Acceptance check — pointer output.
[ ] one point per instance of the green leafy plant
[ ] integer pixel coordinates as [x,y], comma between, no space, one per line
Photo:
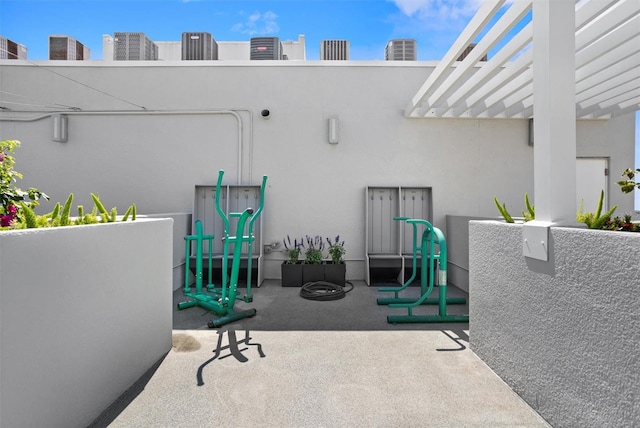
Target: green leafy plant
[595,220]
[622,224]
[60,215]
[503,210]
[336,250]
[17,206]
[293,249]
[90,218]
[314,249]
[629,184]
[12,198]
[130,212]
[530,214]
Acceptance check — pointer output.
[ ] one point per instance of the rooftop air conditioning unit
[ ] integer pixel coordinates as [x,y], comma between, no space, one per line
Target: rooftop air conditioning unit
[199,46]
[134,47]
[334,50]
[265,48]
[400,50]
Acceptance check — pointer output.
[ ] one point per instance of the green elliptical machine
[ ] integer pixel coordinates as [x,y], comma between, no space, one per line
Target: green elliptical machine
[221,301]
[417,249]
[431,236]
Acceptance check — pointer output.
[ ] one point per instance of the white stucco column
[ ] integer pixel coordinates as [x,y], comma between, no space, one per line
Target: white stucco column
[554,118]
[554,110]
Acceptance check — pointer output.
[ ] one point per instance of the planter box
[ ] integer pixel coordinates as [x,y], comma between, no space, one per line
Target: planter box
[312,273]
[563,333]
[291,275]
[296,275]
[335,273]
[103,297]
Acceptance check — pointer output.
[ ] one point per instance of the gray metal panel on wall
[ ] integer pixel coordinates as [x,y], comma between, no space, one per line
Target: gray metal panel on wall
[241,198]
[415,202]
[381,228]
[205,210]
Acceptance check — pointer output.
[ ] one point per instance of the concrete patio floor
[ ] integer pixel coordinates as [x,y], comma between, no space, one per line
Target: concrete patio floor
[303,363]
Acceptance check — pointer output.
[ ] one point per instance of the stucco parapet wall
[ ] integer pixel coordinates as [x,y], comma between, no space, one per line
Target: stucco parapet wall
[86,308]
[564,333]
[139,219]
[592,251]
[221,63]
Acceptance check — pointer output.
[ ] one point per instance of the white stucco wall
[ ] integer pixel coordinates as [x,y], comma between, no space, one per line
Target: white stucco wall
[169,51]
[314,187]
[564,333]
[84,312]
[181,227]
[457,236]
[233,51]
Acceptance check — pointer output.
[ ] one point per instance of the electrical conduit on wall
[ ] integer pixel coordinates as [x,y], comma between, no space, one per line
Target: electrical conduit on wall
[233,112]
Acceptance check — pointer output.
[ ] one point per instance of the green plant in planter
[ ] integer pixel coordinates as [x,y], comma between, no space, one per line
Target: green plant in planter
[12,198]
[293,250]
[595,220]
[502,208]
[629,184]
[622,224]
[60,215]
[336,250]
[314,249]
[529,215]
[17,206]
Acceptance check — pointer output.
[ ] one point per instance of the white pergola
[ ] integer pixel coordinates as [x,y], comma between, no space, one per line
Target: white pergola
[607,64]
[575,59]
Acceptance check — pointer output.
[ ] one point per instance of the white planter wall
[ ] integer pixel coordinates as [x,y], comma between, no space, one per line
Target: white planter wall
[457,236]
[155,156]
[564,333]
[85,312]
[181,228]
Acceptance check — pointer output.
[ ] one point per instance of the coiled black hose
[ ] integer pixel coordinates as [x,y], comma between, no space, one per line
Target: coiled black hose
[322,290]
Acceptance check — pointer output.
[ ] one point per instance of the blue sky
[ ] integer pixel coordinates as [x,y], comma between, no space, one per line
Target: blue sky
[367,24]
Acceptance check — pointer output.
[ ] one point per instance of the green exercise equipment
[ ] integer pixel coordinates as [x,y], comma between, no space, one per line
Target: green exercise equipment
[431,237]
[249,238]
[221,301]
[417,249]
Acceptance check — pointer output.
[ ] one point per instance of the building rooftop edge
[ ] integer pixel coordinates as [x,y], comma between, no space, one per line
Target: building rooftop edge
[221,63]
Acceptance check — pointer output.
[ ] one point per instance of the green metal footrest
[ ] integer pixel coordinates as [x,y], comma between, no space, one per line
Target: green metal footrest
[405,319]
[235,316]
[429,301]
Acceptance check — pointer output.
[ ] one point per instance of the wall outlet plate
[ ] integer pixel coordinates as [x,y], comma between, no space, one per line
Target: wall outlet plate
[535,240]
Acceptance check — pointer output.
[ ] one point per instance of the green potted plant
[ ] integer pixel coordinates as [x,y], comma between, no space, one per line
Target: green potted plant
[624,224]
[595,220]
[312,270]
[12,198]
[629,184]
[292,267]
[17,206]
[335,272]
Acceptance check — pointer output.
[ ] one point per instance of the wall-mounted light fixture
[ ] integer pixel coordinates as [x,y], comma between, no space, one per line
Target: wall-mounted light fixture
[334,130]
[60,122]
[531,132]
